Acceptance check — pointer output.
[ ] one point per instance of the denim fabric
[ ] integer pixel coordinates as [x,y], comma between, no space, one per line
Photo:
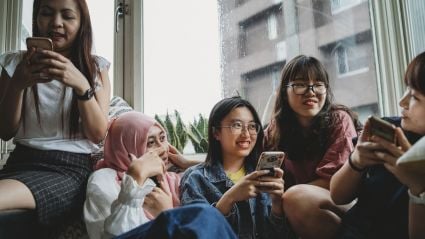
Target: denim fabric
[187,222]
[249,219]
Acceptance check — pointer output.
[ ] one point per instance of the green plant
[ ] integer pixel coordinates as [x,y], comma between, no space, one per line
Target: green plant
[198,134]
[176,130]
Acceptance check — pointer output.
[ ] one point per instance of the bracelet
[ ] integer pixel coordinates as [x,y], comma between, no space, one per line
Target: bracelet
[416,199]
[354,167]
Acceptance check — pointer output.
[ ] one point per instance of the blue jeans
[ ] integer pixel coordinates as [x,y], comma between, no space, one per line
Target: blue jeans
[185,222]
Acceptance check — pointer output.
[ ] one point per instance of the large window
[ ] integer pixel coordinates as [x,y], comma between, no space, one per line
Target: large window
[181,57]
[343,42]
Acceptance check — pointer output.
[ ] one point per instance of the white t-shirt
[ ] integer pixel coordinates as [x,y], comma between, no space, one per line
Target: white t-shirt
[52,132]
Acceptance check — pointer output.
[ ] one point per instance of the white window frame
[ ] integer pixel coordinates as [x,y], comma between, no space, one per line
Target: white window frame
[128,55]
[10,24]
[392,51]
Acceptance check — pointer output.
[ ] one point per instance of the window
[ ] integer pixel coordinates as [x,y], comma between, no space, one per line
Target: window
[342,60]
[342,42]
[181,57]
[338,6]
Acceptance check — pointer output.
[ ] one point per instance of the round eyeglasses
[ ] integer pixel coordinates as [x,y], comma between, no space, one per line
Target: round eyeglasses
[238,127]
[301,88]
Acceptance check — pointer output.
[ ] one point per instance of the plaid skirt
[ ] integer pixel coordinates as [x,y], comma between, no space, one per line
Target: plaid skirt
[57,180]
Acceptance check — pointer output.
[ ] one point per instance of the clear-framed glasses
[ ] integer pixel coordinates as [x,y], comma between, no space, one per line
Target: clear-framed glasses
[301,88]
[237,127]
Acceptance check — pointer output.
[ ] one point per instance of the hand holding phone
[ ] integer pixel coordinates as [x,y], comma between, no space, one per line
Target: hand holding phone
[382,128]
[40,42]
[270,160]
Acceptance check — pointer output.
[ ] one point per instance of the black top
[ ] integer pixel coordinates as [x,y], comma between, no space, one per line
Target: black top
[383,203]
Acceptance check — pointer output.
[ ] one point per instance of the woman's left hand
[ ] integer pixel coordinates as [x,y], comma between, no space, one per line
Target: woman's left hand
[411,179]
[274,186]
[62,69]
[159,199]
[176,157]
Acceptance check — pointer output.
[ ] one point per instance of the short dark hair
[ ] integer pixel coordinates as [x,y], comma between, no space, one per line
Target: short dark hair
[415,73]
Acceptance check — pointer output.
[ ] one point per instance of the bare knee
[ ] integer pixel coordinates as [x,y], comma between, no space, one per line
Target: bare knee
[14,195]
[309,209]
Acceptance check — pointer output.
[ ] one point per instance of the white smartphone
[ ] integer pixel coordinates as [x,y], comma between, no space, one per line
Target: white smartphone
[270,160]
[40,42]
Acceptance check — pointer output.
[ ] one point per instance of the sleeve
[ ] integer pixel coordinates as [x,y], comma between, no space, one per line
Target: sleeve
[275,227]
[126,211]
[195,188]
[106,204]
[340,147]
[103,65]
[9,61]
[98,201]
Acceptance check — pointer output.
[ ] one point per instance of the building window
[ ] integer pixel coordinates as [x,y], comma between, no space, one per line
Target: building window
[259,30]
[338,6]
[341,60]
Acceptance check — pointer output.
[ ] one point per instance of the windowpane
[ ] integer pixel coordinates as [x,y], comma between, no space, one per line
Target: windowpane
[181,57]
[336,32]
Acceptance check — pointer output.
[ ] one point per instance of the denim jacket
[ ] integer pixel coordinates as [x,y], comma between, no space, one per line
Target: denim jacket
[249,219]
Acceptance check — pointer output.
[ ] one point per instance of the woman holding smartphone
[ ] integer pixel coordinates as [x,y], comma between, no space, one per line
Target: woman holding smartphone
[381,187]
[250,200]
[316,136]
[55,105]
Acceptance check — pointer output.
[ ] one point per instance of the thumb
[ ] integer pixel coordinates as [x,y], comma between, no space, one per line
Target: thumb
[164,185]
[402,140]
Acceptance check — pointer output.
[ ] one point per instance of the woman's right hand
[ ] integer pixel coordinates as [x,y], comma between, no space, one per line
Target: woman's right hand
[364,152]
[247,187]
[28,72]
[148,165]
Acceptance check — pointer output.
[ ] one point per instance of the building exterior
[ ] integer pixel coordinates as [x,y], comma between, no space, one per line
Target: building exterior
[259,36]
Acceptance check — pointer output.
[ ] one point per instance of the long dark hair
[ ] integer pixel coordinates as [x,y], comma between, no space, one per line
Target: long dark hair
[81,57]
[218,113]
[415,73]
[287,132]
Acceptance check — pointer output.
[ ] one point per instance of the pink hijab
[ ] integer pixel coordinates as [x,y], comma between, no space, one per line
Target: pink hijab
[129,134]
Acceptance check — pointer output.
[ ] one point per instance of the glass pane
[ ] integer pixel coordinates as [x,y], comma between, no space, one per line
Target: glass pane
[416,20]
[258,37]
[181,57]
[102,18]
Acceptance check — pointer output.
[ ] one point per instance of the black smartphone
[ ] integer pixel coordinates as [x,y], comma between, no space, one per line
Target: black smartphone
[270,160]
[155,180]
[40,42]
[382,128]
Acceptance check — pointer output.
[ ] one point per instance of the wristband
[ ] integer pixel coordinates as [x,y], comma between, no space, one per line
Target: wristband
[354,167]
[417,199]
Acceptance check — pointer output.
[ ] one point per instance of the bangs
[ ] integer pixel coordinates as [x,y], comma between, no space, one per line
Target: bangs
[415,74]
[308,69]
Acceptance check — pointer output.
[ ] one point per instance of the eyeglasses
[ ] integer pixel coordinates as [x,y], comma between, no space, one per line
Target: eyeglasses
[237,127]
[301,88]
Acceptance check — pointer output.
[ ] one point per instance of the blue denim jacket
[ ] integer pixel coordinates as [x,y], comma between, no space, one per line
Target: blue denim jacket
[249,219]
